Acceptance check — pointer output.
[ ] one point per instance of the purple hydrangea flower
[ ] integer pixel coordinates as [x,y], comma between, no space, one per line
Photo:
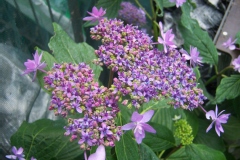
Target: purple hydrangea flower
[131,14]
[100,154]
[217,119]
[139,125]
[96,15]
[34,65]
[230,44]
[178,2]
[17,154]
[167,38]
[194,57]
[236,64]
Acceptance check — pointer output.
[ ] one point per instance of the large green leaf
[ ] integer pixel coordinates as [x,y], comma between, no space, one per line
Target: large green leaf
[44,139]
[229,88]
[112,7]
[146,153]
[155,105]
[193,35]
[238,38]
[209,139]
[126,148]
[163,4]
[162,140]
[232,129]
[64,49]
[202,152]
[180,154]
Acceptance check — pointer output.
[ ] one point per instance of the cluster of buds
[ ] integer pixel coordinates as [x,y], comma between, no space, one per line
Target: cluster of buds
[145,73]
[74,90]
[131,14]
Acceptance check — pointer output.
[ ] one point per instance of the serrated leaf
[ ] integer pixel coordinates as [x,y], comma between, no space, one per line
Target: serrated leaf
[229,88]
[210,138]
[193,35]
[44,139]
[146,153]
[126,148]
[201,152]
[66,50]
[112,7]
[161,140]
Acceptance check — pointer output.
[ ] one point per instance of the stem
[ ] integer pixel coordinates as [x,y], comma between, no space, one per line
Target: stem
[85,155]
[174,150]
[148,15]
[218,74]
[160,155]
[110,80]
[154,18]
[203,109]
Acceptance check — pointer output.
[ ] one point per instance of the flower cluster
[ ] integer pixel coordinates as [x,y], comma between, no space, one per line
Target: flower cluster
[73,89]
[236,64]
[183,131]
[131,14]
[18,154]
[122,45]
[145,73]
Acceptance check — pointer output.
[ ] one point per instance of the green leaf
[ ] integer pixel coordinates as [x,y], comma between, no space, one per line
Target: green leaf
[44,139]
[161,140]
[201,152]
[160,6]
[193,35]
[66,50]
[112,7]
[180,154]
[155,105]
[205,92]
[229,88]
[186,19]
[197,73]
[126,148]
[238,38]
[167,3]
[209,139]
[231,129]
[48,58]
[146,153]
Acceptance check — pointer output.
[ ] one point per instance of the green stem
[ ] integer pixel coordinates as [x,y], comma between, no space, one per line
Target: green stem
[110,80]
[154,18]
[218,74]
[160,155]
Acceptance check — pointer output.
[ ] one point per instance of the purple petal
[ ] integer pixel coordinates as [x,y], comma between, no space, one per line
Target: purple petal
[95,10]
[148,128]
[128,126]
[14,150]
[147,116]
[89,18]
[100,154]
[223,118]
[11,156]
[136,117]
[210,126]
[218,128]
[210,114]
[232,47]
[139,136]
[19,151]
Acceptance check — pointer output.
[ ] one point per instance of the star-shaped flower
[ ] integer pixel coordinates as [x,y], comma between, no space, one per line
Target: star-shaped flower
[236,64]
[230,44]
[217,119]
[34,65]
[193,57]
[96,15]
[178,2]
[17,154]
[139,125]
[100,154]
[167,38]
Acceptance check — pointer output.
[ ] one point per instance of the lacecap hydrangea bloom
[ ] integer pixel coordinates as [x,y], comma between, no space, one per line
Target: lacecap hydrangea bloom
[145,73]
[131,14]
[74,90]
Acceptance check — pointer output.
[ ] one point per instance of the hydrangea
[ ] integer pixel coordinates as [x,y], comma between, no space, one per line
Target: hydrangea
[34,65]
[17,154]
[131,14]
[96,14]
[74,90]
[194,57]
[236,64]
[145,73]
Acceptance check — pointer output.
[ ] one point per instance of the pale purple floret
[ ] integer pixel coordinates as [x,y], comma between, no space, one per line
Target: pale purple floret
[100,154]
[236,64]
[194,57]
[167,38]
[34,65]
[230,44]
[32,158]
[139,125]
[17,154]
[217,119]
[178,2]
[96,15]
